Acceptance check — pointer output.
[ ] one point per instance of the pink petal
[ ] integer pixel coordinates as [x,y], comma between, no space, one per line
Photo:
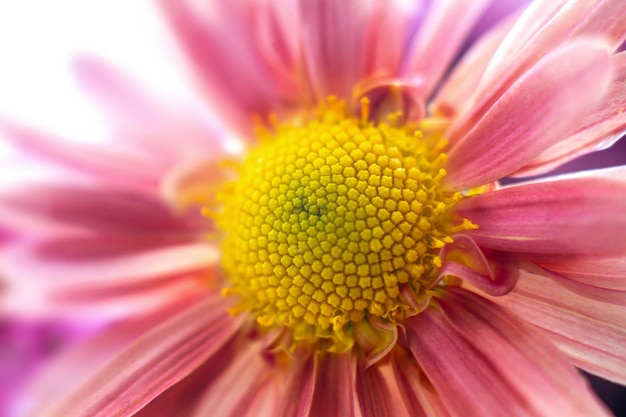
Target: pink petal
[477,344]
[443,32]
[333,35]
[542,27]
[599,130]
[533,114]
[26,263]
[458,89]
[572,216]
[379,395]
[180,399]
[334,386]
[420,397]
[464,259]
[105,209]
[590,332]
[589,290]
[123,166]
[533,367]
[78,362]
[246,387]
[320,387]
[391,26]
[452,364]
[601,272]
[154,362]
[234,75]
[299,390]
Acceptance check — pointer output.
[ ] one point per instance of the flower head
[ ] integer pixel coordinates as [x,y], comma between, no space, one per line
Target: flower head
[359,256]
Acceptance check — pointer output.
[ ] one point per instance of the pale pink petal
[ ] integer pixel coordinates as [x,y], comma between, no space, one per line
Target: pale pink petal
[528,364]
[161,131]
[542,28]
[195,184]
[420,397]
[439,39]
[575,216]
[379,394]
[234,75]
[335,44]
[124,166]
[458,89]
[590,332]
[599,130]
[154,362]
[533,114]
[248,386]
[464,259]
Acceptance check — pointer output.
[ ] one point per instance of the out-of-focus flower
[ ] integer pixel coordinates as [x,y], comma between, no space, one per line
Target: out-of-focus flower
[369,259]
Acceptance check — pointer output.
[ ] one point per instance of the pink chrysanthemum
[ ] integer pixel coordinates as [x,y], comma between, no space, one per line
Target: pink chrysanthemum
[359,257]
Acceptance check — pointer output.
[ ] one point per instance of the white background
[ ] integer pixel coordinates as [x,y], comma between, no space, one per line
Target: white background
[40,38]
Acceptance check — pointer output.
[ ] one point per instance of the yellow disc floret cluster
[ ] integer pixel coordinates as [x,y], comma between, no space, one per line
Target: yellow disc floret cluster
[330,221]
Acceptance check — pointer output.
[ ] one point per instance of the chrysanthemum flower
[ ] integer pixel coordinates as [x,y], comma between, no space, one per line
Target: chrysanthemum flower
[358,257]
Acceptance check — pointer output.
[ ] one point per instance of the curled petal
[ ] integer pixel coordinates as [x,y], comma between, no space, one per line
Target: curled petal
[465,260]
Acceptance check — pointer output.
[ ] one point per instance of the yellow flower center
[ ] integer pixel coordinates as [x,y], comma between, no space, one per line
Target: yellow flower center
[331,224]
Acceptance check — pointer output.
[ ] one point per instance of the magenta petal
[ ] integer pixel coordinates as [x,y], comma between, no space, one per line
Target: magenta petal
[574,216]
[590,332]
[533,114]
[153,363]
